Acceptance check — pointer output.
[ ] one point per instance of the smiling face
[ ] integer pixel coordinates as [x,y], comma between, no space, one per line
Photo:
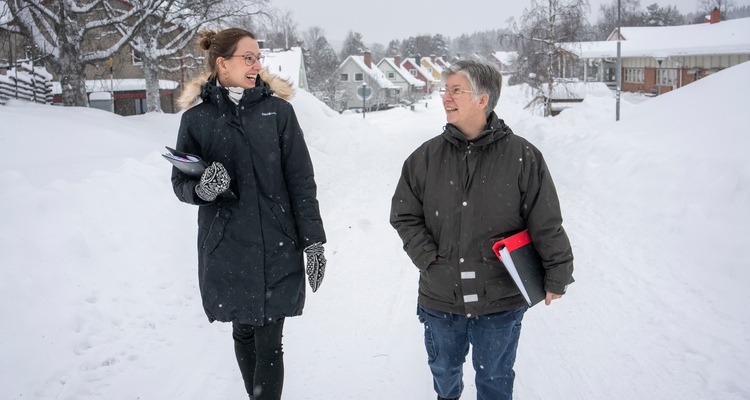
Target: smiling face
[467,114]
[233,71]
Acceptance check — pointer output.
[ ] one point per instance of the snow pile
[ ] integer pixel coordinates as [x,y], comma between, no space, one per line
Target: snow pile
[98,287]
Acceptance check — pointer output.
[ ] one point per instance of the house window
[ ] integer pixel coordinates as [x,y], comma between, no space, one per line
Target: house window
[136,58]
[666,77]
[633,75]
[344,77]
[391,76]
[413,72]
[359,77]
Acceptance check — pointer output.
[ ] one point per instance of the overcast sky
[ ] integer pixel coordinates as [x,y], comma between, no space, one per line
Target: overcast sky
[383,20]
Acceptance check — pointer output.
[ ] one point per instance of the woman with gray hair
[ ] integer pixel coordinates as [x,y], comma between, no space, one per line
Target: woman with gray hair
[459,193]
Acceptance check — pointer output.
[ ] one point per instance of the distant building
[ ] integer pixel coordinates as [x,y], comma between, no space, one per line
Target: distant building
[355,71]
[664,58]
[409,86]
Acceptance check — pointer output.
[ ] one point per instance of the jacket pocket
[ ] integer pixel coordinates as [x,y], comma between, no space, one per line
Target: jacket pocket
[287,226]
[216,230]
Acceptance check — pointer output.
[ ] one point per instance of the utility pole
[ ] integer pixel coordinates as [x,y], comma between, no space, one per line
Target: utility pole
[618,68]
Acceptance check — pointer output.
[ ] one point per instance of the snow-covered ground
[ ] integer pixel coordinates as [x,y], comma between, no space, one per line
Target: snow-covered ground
[98,283]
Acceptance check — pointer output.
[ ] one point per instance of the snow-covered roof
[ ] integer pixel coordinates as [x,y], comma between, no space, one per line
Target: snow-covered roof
[403,72]
[577,90]
[285,64]
[433,65]
[725,37]
[419,68]
[119,85]
[506,57]
[374,73]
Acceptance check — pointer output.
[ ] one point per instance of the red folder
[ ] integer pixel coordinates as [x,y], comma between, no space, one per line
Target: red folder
[519,257]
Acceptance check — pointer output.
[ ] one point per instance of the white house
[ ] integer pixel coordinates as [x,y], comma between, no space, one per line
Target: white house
[356,71]
[288,64]
[409,86]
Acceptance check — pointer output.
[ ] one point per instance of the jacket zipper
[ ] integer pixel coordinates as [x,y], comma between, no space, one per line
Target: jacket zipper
[210,228]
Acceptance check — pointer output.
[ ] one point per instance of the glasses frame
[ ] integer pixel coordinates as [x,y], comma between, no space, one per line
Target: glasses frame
[258,58]
[455,92]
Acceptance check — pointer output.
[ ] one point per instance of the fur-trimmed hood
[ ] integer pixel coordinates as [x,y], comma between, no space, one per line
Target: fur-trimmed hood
[191,92]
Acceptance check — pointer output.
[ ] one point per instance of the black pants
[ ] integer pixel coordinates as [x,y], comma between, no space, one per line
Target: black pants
[261,360]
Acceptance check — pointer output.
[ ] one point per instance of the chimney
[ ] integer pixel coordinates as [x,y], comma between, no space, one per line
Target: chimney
[715,16]
[368,59]
[397,60]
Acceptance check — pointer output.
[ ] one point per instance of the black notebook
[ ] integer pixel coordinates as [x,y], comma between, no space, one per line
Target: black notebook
[189,164]
[518,255]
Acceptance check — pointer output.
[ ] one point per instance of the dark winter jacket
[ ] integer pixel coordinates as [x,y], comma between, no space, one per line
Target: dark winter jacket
[250,245]
[456,197]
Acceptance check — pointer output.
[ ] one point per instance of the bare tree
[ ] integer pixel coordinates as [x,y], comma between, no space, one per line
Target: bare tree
[631,14]
[725,6]
[321,64]
[73,33]
[172,27]
[538,37]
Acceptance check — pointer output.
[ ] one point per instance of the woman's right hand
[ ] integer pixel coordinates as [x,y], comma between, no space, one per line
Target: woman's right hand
[214,181]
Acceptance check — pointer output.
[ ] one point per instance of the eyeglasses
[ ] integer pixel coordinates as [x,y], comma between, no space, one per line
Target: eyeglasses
[250,59]
[455,92]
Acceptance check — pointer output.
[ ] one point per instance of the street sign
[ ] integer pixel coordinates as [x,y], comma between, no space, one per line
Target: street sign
[364,92]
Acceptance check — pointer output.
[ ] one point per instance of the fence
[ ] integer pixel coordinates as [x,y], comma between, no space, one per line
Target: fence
[26,83]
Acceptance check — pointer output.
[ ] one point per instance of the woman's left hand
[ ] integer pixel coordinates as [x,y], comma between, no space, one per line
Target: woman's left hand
[551,296]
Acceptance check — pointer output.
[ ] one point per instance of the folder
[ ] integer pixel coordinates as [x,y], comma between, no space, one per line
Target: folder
[520,259]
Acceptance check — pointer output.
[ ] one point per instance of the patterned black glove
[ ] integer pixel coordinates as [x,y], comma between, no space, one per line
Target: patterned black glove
[214,181]
[316,265]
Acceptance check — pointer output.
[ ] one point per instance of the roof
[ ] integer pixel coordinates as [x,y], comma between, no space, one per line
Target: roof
[285,64]
[437,68]
[725,37]
[374,73]
[506,57]
[419,68]
[403,72]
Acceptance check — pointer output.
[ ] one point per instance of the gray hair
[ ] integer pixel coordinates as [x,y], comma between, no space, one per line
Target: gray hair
[484,78]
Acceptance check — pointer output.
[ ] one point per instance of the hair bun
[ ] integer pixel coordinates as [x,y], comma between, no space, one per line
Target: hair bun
[206,38]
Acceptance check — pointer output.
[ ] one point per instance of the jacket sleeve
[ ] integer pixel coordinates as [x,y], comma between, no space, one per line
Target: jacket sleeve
[540,207]
[300,180]
[184,185]
[407,214]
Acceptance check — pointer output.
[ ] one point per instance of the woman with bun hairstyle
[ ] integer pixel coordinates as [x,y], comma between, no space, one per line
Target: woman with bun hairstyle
[257,206]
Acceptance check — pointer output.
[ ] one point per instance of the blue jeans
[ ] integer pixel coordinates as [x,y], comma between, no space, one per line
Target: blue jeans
[494,340]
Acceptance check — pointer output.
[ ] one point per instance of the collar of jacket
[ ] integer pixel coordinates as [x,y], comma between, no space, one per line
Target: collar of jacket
[213,93]
[495,130]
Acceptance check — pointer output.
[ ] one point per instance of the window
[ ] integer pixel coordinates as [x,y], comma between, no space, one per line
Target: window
[344,77]
[135,57]
[632,75]
[359,77]
[391,76]
[413,72]
[666,77]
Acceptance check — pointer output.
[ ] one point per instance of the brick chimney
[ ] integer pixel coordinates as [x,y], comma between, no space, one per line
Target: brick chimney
[368,59]
[715,16]
[397,60]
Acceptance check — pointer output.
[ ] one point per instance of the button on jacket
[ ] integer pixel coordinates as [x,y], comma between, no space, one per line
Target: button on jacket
[456,197]
[250,244]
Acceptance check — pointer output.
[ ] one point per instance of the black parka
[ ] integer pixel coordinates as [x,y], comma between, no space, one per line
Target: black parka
[250,245]
[456,197]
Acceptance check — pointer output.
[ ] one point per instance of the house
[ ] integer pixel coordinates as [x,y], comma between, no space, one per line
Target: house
[129,94]
[416,70]
[356,71]
[409,86]
[288,64]
[663,58]
[432,67]
[506,61]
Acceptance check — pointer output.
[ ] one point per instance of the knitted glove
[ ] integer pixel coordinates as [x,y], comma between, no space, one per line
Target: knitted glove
[214,181]
[316,265]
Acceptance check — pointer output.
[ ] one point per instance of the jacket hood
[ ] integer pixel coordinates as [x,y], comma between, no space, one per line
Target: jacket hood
[199,88]
[495,130]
